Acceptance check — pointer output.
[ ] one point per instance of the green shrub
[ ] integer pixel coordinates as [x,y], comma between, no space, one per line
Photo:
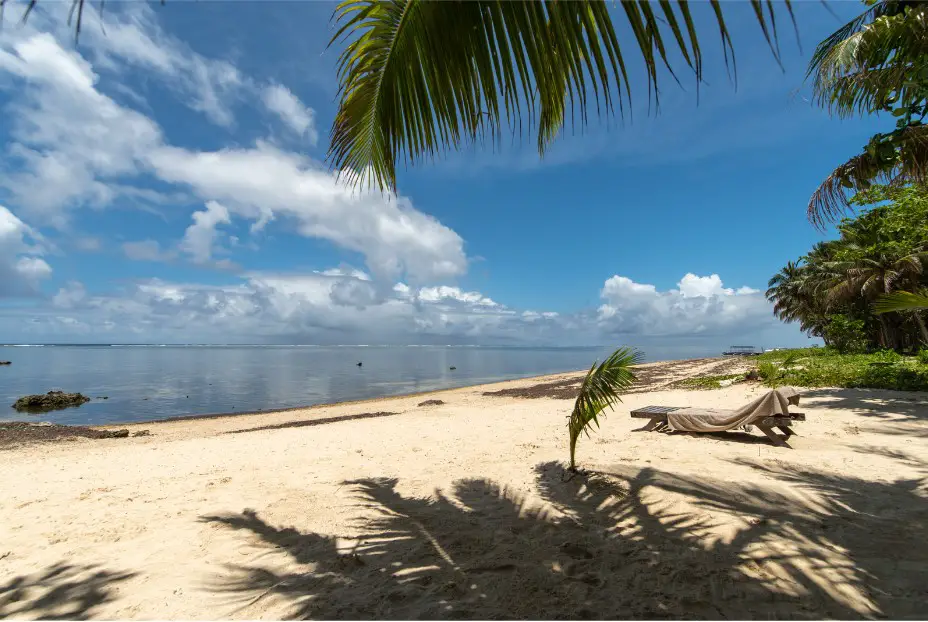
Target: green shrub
[707,382]
[923,356]
[846,336]
[825,367]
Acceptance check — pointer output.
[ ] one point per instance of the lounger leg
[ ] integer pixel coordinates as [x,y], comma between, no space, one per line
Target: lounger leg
[775,438]
[653,424]
[785,429]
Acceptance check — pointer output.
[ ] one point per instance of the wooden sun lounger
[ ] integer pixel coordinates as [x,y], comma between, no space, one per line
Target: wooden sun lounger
[658,417]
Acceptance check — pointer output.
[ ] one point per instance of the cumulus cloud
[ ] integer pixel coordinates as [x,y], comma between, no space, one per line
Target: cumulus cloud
[201,237]
[294,113]
[699,306]
[264,183]
[21,268]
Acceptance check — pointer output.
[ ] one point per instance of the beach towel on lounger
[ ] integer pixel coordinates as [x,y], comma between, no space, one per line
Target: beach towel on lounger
[775,402]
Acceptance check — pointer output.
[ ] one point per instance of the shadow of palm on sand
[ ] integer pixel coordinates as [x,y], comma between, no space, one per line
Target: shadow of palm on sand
[61,592]
[604,546]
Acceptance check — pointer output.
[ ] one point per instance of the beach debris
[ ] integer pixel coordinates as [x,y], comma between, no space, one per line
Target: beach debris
[142,433]
[752,375]
[6,362]
[14,433]
[53,400]
[431,403]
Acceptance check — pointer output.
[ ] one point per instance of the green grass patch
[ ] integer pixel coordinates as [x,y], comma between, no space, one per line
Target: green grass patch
[704,383]
[823,367]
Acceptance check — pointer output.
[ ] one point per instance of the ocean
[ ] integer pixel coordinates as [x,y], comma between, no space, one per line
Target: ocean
[144,383]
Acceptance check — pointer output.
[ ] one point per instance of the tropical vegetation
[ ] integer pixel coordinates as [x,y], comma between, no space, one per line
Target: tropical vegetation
[600,390]
[830,292]
[876,63]
[826,367]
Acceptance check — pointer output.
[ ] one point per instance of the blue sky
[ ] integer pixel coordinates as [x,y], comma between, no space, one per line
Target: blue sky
[165,181]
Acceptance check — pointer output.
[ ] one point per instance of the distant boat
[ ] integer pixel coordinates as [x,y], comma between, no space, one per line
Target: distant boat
[741,351]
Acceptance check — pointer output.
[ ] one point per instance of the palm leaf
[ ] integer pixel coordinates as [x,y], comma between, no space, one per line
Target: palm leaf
[600,390]
[900,301]
[907,164]
[418,78]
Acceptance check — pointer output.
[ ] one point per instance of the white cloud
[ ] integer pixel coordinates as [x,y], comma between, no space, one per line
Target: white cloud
[265,183]
[445,293]
[134,41]
[77,147]
[298,117]
[68,138]
[69,296]
[699,305]
[328,306]
[146,250]
[21,268]
[692,286]
[200,239]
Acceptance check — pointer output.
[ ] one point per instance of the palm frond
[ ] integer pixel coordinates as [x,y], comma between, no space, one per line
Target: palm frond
[418,78]
[900,301]
[600,390]
[904,161]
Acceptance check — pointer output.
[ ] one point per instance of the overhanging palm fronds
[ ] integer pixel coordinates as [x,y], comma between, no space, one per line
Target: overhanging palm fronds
[897,158]
[878,62]
[418,77]
[872,60]
[900,301]
[600,390]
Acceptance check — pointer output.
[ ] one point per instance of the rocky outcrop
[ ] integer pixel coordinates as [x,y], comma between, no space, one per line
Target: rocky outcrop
[431,403]
[53,400]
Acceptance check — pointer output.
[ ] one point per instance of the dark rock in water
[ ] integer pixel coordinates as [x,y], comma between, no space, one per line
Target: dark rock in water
[359,363]
[142,433]
[104,397]
[6,362]
[431,403]
[452,368]
[53,400]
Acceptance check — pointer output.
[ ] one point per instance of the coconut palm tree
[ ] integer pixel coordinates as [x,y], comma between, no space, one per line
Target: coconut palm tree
[418,78]
[872,274]
[600,390]
[877,62]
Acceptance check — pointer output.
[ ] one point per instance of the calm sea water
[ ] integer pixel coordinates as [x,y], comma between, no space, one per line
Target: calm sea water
[143,383]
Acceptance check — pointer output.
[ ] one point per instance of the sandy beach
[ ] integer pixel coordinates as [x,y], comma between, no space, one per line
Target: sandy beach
[392,509]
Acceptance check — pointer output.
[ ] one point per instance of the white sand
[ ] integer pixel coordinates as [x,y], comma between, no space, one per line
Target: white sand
[459,510]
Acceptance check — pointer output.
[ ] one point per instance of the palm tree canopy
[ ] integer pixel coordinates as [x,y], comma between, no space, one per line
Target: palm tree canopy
[417,78]
[877,62]
[600,390]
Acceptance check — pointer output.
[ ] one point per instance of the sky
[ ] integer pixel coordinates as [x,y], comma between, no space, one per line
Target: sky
[164,181]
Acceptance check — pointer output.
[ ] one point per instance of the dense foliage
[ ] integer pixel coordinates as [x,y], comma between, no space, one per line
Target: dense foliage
[831,290]
[826,367]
